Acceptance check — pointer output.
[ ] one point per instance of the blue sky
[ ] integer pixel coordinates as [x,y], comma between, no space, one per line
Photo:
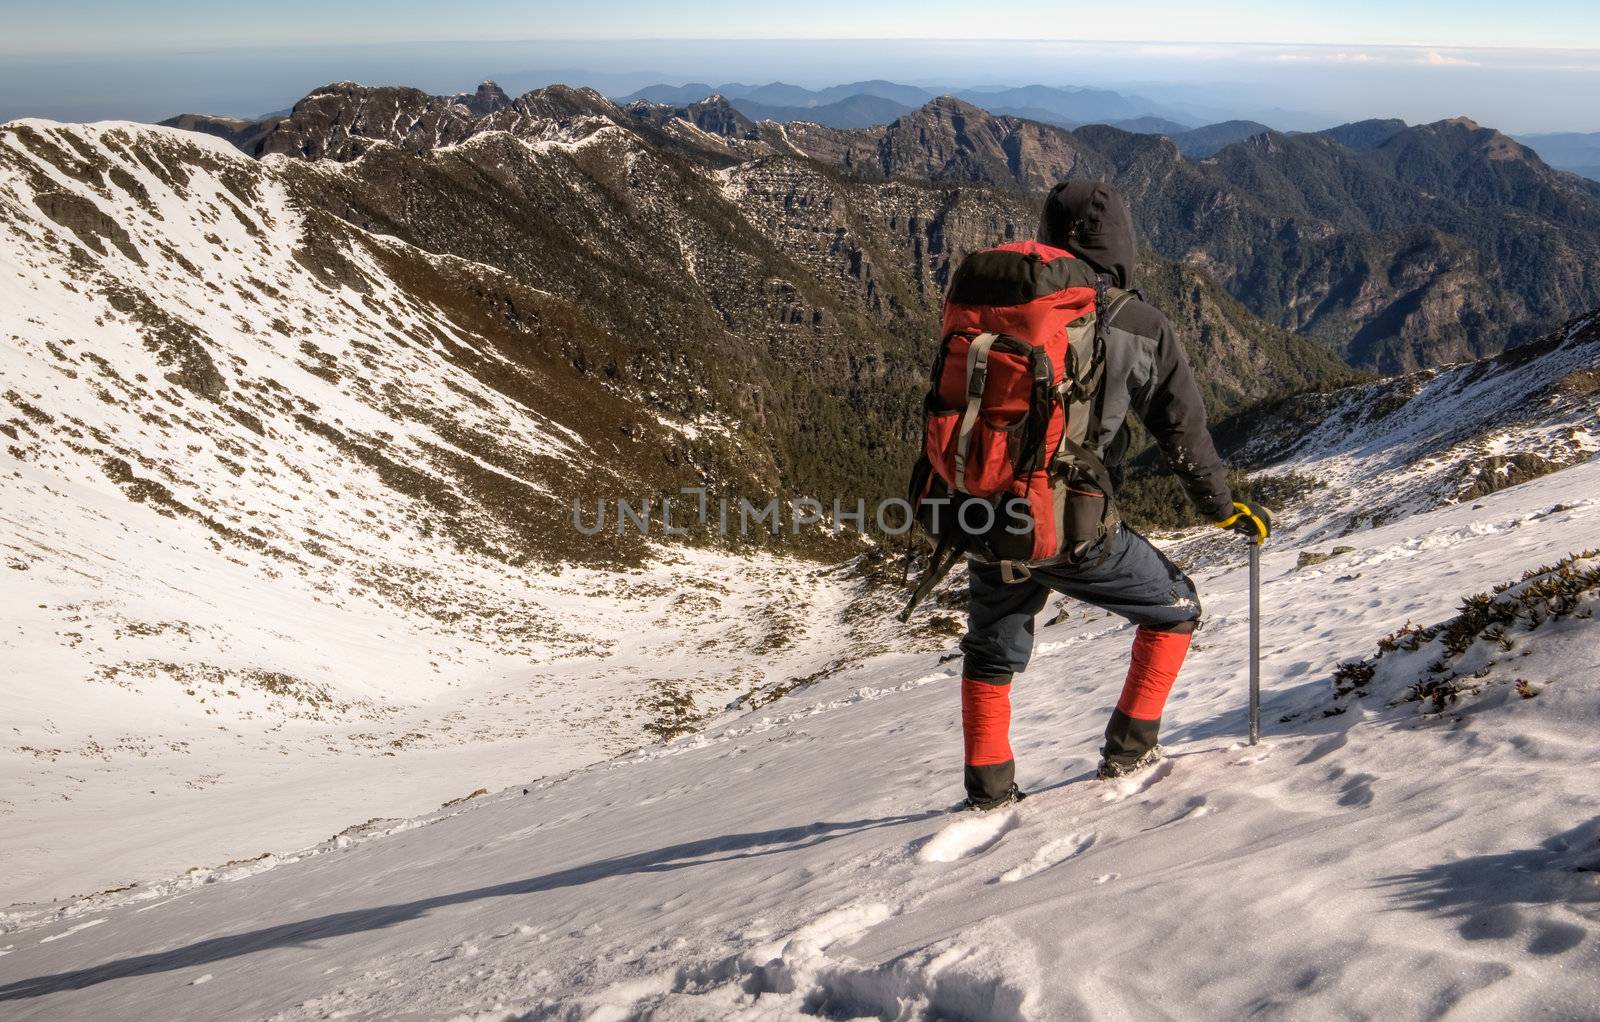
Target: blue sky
[1532,67]
[77,26]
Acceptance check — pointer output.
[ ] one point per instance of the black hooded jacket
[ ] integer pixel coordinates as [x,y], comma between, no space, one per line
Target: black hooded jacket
[1147,369]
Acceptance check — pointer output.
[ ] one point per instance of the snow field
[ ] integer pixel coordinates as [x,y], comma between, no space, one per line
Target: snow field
[1379,861]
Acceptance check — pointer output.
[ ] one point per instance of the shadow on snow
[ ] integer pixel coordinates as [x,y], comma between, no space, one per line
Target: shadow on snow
[1487,894]
[725,848]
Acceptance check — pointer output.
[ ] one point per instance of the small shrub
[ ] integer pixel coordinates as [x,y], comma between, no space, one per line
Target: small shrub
[1564,589]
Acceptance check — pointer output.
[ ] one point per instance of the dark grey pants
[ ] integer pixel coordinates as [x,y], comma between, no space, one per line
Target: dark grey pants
[1134,581]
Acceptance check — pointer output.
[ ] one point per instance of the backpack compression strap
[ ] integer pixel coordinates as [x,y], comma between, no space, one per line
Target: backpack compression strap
[977,375]
[1079,397]
[1109,301]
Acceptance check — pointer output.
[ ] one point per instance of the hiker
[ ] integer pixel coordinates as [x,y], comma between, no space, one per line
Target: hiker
[1129,361]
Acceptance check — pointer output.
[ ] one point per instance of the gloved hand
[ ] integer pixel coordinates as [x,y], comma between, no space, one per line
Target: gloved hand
[1251,521]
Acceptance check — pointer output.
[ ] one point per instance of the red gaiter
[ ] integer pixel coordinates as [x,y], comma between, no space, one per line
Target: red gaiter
[986,722]
[1156,659]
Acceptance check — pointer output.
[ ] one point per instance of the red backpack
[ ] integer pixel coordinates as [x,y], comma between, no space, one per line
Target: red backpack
[1004,474]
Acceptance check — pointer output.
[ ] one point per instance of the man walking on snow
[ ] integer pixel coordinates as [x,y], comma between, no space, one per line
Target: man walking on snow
[1147,373]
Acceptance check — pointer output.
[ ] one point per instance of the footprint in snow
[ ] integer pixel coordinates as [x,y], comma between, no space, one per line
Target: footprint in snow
[1192,809]
[1127,787]
[1252,753]
[973,833]
[1357,791]
[1324,748]
[1052,854]
[1555,938]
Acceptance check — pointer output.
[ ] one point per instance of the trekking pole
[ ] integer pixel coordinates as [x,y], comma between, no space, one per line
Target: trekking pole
[1255,643]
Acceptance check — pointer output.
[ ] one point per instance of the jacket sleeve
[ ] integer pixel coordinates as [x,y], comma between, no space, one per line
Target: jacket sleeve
[1171,408]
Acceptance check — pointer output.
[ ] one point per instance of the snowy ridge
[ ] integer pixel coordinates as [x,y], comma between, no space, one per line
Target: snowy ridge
[1438,436]
[324,497]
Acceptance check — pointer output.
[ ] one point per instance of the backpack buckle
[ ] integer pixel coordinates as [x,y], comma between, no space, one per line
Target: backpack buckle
[975,382]
[1012,572]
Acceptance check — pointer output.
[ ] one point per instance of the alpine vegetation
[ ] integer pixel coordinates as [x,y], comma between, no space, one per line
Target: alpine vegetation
[1491,630]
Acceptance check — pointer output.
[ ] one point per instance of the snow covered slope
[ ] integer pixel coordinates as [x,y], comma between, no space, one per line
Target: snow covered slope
[1375,856]
[280,527]
[1384,450]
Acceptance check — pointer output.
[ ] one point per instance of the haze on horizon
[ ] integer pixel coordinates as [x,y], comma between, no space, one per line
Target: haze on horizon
[1288,64]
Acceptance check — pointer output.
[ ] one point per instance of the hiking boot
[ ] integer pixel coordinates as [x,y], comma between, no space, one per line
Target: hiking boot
[1112,768]
[1015,795]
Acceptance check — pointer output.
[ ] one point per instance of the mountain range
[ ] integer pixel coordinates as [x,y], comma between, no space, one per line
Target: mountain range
[1394,246]
[1063,106]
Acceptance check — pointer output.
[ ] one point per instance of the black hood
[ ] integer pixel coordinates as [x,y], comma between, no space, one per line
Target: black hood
[1090,219]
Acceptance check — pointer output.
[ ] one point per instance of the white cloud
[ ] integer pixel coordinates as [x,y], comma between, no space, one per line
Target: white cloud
[1433,58]
[1321,57]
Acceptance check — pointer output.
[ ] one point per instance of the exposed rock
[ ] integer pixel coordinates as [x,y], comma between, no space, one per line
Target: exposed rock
[85,219]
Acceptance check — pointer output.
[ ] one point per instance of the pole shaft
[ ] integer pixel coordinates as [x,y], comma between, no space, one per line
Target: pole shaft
[1255,643]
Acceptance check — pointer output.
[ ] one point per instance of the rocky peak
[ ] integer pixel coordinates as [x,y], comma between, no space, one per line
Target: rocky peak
[563,102]
[488,99]
[713,115]
[716,115]
[950,139]
[954,104]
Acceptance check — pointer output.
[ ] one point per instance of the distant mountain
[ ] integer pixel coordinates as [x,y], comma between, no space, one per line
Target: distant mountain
[1152,126]
[1063,107]
[1365,135]
[1031,113]
[1074,105]
[246,134]
[852,112]
[782,94]
[1578,152]
[773,94]
[908,95]
[1205,141]
[675,95]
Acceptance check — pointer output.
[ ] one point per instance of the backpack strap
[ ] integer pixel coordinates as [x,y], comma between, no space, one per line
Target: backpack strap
[952,544]
[1115,299]
[1080,402]
[977,376]
[1108,302]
